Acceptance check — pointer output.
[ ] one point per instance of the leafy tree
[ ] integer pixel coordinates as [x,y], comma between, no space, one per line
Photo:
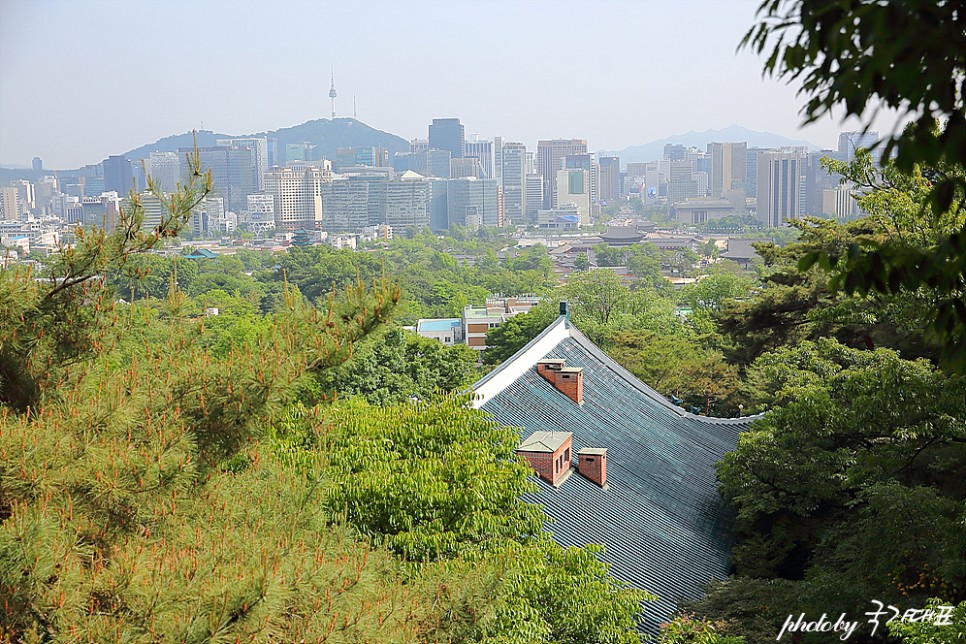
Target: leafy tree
[644,262]
[836,485]
[927,631]
[429,480]
[48,325]
[748,608]
[687,630]
[552,594]
[131,472]
[397,365]
[597,294]
[846,56]
[795,305]
[712,291]
[581,263]
[506,339]
[678,366]
[609,255]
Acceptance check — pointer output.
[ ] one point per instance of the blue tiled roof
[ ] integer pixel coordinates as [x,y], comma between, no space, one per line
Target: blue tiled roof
[201,253]
[664,527]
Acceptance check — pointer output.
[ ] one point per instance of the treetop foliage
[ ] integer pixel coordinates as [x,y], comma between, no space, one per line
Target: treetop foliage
[849,53]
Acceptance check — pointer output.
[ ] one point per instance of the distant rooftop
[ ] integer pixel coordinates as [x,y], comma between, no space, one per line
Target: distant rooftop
[481,312]
[438,324]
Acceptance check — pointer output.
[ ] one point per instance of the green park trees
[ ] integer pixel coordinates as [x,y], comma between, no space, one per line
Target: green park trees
[846,56]
[166,476]
[850,488]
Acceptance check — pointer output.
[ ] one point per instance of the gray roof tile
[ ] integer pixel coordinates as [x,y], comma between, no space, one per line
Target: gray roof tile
[661,521]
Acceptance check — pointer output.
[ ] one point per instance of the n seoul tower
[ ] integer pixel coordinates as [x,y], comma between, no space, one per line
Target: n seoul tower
[332,93]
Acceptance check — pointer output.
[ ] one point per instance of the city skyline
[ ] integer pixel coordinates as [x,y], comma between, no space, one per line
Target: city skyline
[81,81]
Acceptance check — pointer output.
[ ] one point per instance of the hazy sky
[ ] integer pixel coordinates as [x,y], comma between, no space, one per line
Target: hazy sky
[82,79]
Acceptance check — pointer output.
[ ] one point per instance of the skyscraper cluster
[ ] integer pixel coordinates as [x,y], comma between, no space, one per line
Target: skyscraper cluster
[447,179]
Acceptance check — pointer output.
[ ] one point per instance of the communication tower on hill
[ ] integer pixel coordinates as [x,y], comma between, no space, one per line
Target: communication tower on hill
[332,92]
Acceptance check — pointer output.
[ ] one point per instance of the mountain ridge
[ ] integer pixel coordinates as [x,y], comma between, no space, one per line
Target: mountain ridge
[654,150]
[330,134]
[327,134]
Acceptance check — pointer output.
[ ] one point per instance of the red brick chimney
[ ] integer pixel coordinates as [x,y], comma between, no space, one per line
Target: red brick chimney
[592,463]
[548,453]
[568,380]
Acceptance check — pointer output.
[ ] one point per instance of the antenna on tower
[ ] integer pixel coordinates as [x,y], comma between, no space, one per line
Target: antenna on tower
[332,92]
[354,107]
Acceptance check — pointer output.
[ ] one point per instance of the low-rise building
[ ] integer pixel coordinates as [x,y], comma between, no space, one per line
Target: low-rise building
[449,331]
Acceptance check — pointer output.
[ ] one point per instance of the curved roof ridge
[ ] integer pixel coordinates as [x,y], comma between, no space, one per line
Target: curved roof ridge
[513,367]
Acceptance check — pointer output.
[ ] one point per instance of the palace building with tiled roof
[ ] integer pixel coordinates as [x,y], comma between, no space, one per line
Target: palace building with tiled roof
[617,464]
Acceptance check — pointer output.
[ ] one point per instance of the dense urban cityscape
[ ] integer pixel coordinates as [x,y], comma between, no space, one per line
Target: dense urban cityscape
[280,192]
[325,383]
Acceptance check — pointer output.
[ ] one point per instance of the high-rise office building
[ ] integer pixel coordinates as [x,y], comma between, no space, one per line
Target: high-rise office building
[432,163]
[298,197]
[550,159]
[208,217]
[465,167]
[259,148]
[232,171]
[368,156]
[474,202]
[817,181]
[407,201]
[438,203]
[533,198]
[513,178]
[154,211]
[404,162]
[849,142]
[609,187]
[9,204]
[839,203]
[44,191]
[165,169]
[118,176]
[751,185]
[780,187]
[683,182]
[25,196]
[37,164]
[729,167]
[482,151]
[345,205]
[447,134]
[573,187]
[261,213]
[675,152]
[304,151]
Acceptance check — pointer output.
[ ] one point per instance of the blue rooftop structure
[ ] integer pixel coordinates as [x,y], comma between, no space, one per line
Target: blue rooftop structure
[201,253]
[438,324]
[659,516]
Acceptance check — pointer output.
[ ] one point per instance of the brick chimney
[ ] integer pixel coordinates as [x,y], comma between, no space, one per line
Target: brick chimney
[567,380]
[592,463]
[548,453]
